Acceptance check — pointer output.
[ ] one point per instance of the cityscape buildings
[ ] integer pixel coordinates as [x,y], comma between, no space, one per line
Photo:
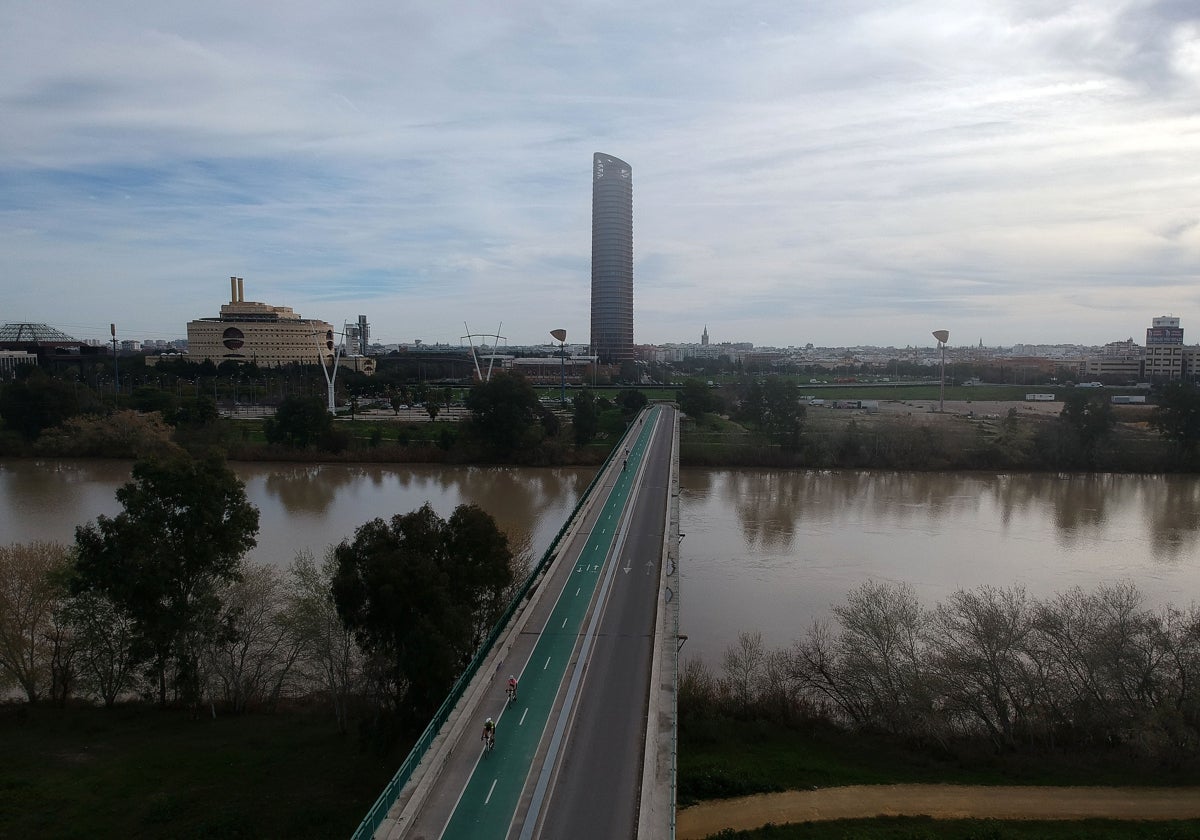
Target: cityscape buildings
[612,259]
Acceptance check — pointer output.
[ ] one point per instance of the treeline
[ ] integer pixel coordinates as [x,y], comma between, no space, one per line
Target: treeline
[768,425]
[50,416]
[158,604]
[989,666]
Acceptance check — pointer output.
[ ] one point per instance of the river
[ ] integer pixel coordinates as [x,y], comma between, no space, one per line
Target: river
[763,550]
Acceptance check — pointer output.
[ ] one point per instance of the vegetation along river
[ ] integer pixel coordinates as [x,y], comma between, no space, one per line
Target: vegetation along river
[763,550]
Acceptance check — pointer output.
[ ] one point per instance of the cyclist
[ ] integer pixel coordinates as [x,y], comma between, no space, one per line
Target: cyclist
[512,688]
[489,733]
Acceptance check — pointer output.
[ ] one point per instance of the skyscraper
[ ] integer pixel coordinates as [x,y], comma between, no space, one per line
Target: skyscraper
[612,259]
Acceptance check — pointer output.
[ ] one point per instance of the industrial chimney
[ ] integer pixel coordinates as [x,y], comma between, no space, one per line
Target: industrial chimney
[233,290]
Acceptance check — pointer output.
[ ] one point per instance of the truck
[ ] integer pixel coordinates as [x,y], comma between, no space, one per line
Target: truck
[1039,398]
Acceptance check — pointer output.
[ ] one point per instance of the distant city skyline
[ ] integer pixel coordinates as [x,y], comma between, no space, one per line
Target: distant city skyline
[841,174]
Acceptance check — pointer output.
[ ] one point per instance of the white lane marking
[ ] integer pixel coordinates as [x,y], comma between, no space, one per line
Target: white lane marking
[547,665]
[492,788]
[564,624]
[577,593]
[521,722]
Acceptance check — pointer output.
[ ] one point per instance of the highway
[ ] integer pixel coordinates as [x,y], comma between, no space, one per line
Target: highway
[568,759]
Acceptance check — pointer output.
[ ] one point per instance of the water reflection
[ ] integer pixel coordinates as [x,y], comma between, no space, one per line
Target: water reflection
[766,550]
[774,550]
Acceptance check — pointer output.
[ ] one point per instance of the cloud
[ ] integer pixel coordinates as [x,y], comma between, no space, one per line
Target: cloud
[846,173]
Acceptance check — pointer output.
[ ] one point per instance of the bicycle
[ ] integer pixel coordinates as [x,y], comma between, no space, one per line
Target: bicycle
[489,742]
[511,691]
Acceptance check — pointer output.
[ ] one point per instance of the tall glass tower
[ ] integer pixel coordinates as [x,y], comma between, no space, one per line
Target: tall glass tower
[612,259]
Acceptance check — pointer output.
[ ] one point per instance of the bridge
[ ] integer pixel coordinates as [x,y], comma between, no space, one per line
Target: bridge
[587,748]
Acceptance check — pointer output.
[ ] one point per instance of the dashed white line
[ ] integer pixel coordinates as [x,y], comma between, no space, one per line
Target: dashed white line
[521,722]
[492,788]
[547,665]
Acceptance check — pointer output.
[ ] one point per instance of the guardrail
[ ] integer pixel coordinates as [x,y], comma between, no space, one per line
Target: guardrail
[375,817]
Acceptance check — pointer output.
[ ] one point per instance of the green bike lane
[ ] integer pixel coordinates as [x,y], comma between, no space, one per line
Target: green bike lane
[490,799]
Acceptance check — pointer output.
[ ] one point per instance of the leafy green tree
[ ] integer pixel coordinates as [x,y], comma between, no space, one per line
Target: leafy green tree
[586,418]
[631,401]
[1088,420]
[184,527]
[505,414]
[774,408]
[696,399]
[299,422]
[1177,415]
[432,409]
[396,401]
[37,402]
[416,591]
[194,412]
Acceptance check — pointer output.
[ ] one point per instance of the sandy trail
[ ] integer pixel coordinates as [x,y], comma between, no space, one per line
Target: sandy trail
[942,801]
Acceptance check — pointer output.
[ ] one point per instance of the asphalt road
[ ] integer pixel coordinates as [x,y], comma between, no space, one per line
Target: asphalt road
[503,794]
[597,790]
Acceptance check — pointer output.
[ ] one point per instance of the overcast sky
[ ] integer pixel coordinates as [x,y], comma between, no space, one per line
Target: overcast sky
[840,173]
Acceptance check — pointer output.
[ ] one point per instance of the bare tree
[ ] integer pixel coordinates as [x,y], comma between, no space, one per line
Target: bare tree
[979,658]
[103,635]
[252,658]
[742,666]
[331,658]
[879,653]
[29,595]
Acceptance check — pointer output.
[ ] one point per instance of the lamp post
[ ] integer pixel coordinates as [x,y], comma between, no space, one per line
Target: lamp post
[560,335]
[942,336]
[112,328]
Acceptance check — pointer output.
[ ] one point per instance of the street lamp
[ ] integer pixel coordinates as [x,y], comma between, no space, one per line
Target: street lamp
[560,335]
[942,336]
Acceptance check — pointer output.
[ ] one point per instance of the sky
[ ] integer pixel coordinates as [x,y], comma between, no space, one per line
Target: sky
[845,173]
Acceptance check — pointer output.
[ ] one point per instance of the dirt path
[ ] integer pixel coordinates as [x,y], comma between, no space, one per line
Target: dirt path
[943,801]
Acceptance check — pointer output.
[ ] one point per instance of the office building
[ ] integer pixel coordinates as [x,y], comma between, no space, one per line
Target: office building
[248,331]
[612,259]
[1164,356]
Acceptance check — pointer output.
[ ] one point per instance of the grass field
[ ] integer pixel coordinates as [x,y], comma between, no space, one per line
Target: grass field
[145,773]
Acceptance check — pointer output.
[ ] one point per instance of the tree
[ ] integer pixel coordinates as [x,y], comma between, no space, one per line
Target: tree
[183,530]
[416,591]
[505,414]
[1177,415]
[299,422]
[103,636]
[1088,419]
[980,664]
[432,408]
[774,408]
[36,403]
[329,656]
[631,401]
[586,419]
[695,399]
[251,659]
[29,597]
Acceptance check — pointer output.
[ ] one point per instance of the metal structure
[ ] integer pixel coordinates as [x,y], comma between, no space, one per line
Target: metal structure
[496,338]
[325,343]
[942,337]
[560,335]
